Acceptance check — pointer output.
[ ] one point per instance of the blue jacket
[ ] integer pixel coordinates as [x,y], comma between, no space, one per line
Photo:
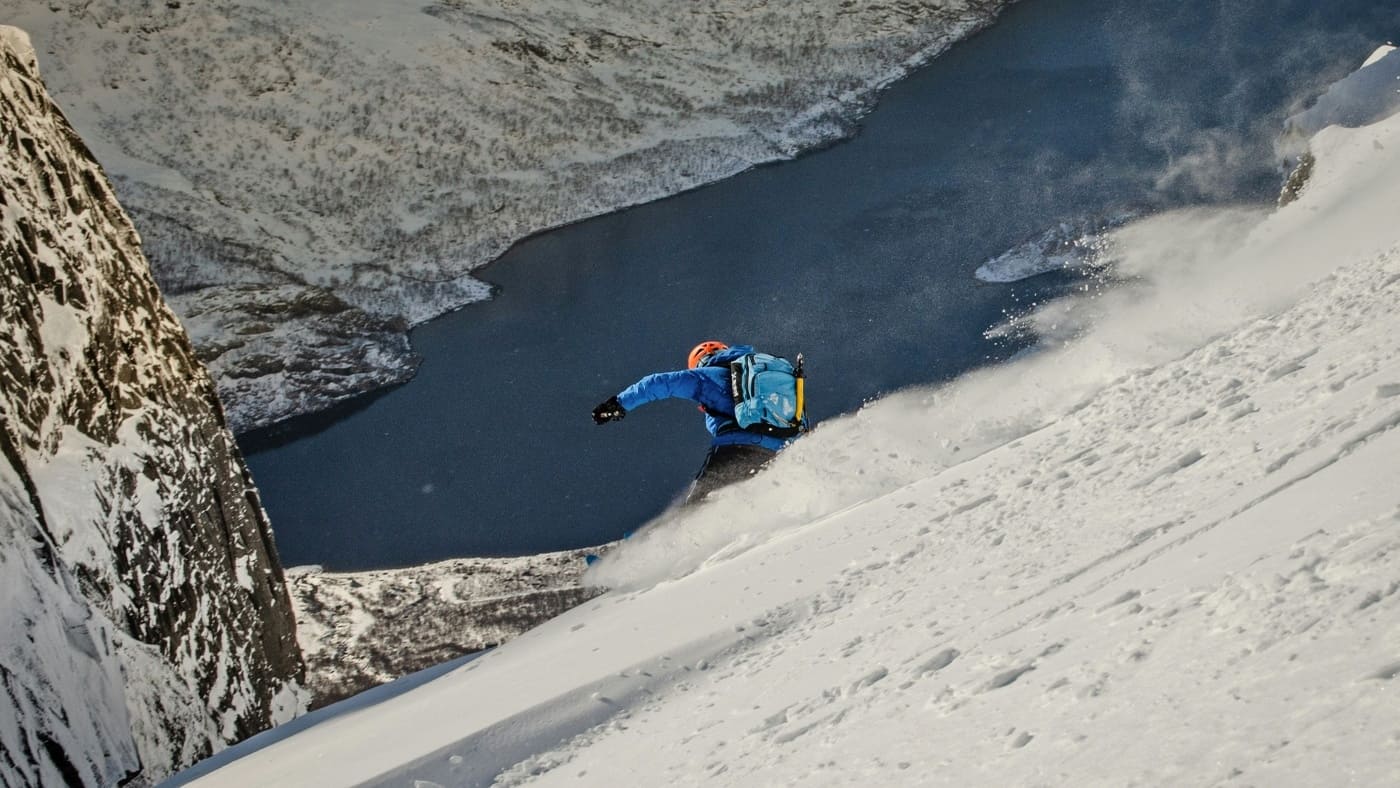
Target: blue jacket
[709,386]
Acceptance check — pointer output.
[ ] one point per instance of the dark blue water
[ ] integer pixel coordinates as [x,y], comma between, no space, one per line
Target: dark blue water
[860,256]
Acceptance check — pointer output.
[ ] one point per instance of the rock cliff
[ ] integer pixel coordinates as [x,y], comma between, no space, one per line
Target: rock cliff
[144,619]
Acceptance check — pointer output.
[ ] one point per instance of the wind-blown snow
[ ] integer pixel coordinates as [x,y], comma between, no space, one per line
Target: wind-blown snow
[1066,246]
[1370,93]
[1164,550]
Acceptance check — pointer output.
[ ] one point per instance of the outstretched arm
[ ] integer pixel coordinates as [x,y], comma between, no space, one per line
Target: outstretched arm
[691,384]
[705,385]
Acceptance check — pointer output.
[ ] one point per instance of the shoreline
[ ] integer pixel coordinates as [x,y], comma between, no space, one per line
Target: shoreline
[299,267]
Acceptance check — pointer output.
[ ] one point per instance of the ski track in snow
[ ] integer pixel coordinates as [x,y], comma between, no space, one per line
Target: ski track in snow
[1284,596]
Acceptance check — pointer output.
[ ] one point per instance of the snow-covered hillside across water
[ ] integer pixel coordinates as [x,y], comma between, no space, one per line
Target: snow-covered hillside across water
[313,177]
[1164,550]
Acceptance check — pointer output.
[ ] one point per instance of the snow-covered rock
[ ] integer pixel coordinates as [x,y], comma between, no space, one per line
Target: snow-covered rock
[362,629]
[1164,550]
[144,620]
[374,153]
[1368,94]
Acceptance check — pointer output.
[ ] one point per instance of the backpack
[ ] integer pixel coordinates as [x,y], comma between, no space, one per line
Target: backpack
[768,394]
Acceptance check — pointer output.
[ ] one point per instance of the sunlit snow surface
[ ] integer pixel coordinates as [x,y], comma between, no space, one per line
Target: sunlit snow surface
[1164,550]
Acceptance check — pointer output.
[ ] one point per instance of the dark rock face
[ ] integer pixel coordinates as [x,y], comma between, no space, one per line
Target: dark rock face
[1297,179]
[127,505]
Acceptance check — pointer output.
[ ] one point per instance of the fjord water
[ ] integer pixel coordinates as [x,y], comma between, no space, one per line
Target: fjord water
[860,256]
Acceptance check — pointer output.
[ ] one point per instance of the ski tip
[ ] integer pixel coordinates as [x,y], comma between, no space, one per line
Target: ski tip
[590,559]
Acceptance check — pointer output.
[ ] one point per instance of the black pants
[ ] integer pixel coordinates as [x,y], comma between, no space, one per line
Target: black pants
[725,465]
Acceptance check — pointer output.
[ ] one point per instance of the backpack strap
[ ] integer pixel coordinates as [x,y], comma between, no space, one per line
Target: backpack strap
[801,394]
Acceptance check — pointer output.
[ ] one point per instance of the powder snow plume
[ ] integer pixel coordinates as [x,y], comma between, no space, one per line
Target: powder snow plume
[1182,276]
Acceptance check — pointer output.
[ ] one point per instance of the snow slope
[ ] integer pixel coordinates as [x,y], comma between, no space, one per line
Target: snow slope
[1164,550]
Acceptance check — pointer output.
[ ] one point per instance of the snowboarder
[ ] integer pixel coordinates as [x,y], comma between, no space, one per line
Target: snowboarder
[715,378]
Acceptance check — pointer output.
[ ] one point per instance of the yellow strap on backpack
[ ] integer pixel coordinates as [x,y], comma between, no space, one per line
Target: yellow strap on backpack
[801,395]
[801,399]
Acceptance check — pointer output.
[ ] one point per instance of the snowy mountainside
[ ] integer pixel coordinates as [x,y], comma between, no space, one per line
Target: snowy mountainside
[1163,550]
[363,157]
[145,618]
[1364,96]
[361,629]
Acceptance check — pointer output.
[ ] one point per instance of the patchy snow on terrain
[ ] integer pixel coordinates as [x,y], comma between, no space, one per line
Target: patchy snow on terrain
[361,629]
[1163,550]
[313,177]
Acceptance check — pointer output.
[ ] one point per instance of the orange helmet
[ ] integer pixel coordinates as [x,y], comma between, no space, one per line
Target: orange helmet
[700,351]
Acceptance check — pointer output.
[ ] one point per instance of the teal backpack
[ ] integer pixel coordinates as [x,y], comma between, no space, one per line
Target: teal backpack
[768,394]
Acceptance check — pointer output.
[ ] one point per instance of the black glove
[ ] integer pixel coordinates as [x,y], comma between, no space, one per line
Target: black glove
[611,410]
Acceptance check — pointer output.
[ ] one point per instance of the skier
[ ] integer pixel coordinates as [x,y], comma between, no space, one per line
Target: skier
[736,453]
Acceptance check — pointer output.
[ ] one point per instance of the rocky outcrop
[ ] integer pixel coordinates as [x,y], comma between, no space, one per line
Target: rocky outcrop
[145,618]
[361,629]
